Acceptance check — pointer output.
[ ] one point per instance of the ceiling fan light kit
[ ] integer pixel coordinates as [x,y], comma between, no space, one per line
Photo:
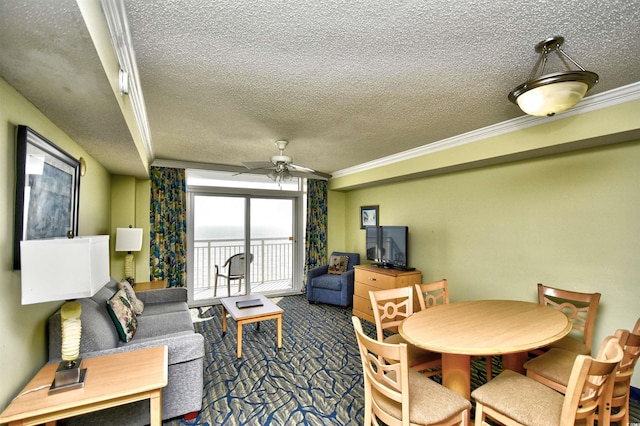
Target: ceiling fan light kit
[280,165]
[556,92]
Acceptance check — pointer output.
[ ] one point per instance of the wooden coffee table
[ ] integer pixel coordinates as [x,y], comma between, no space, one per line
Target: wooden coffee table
[111,380]
[267,311]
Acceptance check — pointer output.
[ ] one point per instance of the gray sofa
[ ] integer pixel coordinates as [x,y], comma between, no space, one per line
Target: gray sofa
[166,320]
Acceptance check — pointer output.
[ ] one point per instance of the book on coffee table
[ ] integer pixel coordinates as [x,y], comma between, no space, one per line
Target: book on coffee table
[249,303]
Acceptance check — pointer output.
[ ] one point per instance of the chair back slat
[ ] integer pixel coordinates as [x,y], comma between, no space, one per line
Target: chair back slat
[386,371]
[591,383]
[581,308]
[630,342]
[390,308]
[432,294]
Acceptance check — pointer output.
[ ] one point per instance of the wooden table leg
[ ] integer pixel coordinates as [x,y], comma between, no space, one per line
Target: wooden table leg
[155,408]
[515,362]
[224,321]
[279,321]
[239,339]
[456,373]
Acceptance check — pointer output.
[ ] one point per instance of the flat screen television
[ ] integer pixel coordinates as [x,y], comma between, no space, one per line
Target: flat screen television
[388,246]
[393,246]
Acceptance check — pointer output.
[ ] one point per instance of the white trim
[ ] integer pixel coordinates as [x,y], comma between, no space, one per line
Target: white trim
[116,16]
[613,97]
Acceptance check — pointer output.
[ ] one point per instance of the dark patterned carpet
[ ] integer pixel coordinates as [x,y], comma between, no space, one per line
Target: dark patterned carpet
[315,379]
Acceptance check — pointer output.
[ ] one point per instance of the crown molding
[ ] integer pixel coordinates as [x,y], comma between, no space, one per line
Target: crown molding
[116,17]
[607,99]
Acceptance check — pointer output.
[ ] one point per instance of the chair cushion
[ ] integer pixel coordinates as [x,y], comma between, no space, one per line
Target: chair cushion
[573,345]
[338,264]
[429,402]
[555,365]
[330,282]
[521,398]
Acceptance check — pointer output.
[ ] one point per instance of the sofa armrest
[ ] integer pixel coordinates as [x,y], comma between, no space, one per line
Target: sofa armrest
[183,347]
[347,278]
[163,295]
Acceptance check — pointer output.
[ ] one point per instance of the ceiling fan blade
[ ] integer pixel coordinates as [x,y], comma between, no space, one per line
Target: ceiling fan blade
[257,164]
[308,170]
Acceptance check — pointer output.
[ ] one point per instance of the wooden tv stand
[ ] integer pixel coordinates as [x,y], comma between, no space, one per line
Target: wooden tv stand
[373,278]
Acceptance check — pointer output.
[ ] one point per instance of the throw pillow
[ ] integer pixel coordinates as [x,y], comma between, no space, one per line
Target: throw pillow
[136,304]
[338,264]
[122,314]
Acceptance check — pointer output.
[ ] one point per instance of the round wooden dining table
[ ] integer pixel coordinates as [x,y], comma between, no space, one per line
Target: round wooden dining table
[483,327]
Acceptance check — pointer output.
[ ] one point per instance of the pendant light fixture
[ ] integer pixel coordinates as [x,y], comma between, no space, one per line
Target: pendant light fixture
[556,92]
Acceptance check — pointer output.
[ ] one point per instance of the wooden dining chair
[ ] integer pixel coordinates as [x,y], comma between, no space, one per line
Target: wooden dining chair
[437,293]
[553,369]
[514,399]
[400,396]
[581,308]
[390,308]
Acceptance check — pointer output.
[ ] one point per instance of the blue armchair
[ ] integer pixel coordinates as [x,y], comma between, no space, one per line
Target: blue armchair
[332,289]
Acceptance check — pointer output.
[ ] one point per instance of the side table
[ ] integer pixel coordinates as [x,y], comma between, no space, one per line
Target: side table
[107,384]
[153,285]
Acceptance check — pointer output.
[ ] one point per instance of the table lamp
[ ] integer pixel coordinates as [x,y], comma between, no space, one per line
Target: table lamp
[129,240]
[65,269]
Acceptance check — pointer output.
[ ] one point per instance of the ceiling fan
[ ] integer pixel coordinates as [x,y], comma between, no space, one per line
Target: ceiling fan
[280,165]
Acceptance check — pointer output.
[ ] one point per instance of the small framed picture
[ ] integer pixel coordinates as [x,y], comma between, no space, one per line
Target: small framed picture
[368,216]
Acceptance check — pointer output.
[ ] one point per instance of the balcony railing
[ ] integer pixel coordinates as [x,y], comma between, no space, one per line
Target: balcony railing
[272,259]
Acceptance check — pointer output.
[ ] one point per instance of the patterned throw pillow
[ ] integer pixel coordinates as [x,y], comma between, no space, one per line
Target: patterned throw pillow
[136,304]
[122,314]
[338,264]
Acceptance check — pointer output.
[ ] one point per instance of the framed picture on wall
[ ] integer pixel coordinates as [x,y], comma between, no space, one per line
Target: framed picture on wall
[47,191]
[368,216]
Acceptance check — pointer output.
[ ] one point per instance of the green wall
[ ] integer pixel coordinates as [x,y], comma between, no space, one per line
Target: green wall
[130,205]
[23,345]
[568,220]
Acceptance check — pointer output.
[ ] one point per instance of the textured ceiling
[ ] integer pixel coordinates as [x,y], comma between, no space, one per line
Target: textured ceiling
[344,82]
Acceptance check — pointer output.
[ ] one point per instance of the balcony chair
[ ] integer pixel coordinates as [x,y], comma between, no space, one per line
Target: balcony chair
[235,266]
[554,367]
[398,395]
[581,308]
[333,285]
[514,399]
[390,308]
[437,293]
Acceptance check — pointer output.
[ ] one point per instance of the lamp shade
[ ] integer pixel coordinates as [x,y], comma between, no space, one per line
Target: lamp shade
[128,239]
[63,269]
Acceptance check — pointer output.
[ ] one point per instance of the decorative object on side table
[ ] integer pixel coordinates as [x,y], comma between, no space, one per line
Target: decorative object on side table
[65,269]
[368,216]
[129,240]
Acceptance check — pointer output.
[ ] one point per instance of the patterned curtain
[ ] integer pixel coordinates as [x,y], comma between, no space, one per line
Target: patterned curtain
[168,228]
[316,233]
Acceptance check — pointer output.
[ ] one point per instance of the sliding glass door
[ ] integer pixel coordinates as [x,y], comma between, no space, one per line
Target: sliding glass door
[272,238]
[259,231]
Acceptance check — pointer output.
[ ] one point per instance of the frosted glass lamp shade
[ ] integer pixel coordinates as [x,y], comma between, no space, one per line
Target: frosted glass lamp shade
[552,99]
[128,239]
[552,93]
